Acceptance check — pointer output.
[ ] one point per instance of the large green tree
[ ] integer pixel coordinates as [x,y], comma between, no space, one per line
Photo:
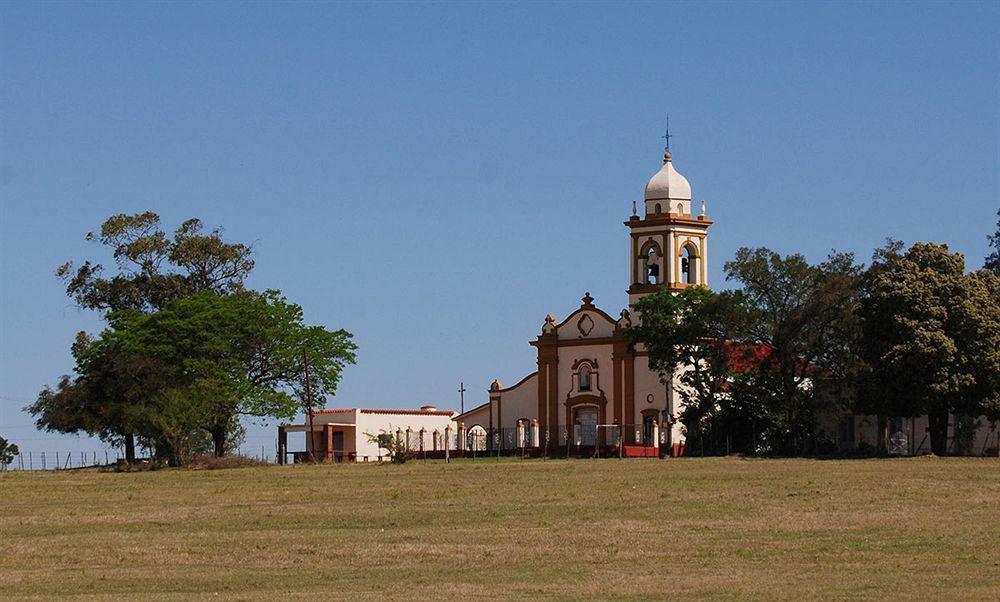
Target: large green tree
[108,383]
[930,337]
[691,332]
[802,319]
[236,355]
[150,269]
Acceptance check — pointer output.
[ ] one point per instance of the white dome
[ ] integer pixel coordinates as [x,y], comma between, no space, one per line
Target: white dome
[667,184]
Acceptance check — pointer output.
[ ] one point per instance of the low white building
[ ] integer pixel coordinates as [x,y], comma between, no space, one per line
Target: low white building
[344,434]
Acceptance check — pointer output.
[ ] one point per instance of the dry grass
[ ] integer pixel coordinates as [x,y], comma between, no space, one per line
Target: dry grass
[713,528]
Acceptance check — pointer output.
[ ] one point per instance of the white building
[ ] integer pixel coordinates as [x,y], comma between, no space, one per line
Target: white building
[344,434]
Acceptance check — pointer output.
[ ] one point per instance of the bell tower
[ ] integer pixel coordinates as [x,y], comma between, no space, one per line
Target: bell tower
[669,246]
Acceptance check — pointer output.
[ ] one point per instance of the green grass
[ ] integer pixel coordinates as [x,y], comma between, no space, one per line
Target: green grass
[718,528]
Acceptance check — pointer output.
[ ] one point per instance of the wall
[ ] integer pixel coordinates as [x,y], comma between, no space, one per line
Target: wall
[376,423]
[602,378]
[519,401]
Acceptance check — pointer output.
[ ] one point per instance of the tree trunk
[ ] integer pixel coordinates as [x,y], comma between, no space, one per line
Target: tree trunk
[219,438]
[882,444]
[130,448]
[937,421]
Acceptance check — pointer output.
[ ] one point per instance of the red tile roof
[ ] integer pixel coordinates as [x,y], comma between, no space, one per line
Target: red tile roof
[385,411]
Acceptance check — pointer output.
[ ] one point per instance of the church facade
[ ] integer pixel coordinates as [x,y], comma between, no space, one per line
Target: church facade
[591,390]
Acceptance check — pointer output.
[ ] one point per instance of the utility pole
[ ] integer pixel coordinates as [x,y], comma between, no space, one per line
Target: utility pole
[461,393]
[309,406]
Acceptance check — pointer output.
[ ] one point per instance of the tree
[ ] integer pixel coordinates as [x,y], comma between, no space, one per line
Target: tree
[109,382]
[691,332]
[930,337]
[152,269]
[802,319]
[8,451]
[238,354]
[174,417]
[993,259]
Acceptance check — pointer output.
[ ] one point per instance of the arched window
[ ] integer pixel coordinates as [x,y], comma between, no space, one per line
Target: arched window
[658,209]
[585,378]
[689,265]
[477,438]
[525,433]
[652,267]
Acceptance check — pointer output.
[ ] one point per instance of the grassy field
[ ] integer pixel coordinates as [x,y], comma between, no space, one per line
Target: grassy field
[592,529]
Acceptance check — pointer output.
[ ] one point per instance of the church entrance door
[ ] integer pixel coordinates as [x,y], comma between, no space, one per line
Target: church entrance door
[586,422]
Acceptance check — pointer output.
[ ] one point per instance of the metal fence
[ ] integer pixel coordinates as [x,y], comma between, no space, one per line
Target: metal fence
[29,460]
[48,460]
[580,440]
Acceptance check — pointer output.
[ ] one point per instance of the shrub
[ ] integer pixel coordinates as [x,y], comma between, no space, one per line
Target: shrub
[211,462]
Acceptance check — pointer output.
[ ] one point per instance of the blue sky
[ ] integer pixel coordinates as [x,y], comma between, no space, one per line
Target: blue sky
[436,178]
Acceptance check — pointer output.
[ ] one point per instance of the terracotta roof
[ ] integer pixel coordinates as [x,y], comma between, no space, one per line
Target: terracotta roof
[409,412]
[744,357]
[387,411]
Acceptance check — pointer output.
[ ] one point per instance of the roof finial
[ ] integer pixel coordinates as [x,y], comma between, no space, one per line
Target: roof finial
[703,207]
[635,210]
[666,136]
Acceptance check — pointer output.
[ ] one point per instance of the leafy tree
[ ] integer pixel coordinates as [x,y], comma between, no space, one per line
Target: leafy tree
[803,318]
[930,337]
[993,259]
[8,451]
[238,354]
[691,331]
[98,400]
[153,269]
[174,417]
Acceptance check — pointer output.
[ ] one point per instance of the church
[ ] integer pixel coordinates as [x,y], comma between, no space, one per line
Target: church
[591,391]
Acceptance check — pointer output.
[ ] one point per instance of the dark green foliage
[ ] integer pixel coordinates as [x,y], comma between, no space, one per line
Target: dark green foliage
[759,363]
[153,269]
[8,451]
[931,338]
[188,350]
[803,322]
[109,382]
[993,259]
[237,354]
[693,329]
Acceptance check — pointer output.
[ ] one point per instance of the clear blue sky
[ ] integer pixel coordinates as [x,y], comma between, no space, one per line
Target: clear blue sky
[437,178]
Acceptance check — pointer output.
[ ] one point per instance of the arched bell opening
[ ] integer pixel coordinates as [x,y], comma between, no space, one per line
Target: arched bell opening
[689,264]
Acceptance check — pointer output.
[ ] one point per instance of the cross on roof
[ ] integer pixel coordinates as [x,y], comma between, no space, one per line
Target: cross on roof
[666,136]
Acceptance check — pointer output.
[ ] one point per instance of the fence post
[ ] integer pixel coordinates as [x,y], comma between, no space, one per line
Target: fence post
[656,438]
